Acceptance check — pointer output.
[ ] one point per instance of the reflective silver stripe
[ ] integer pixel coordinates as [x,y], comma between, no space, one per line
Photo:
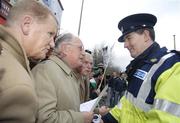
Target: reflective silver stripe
[144,91]
[119,105]
[167,106]
[140,103]
[146,85]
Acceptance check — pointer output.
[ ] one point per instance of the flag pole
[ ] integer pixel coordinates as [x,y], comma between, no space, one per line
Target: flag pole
[105,68]
[79,28]
[174,36]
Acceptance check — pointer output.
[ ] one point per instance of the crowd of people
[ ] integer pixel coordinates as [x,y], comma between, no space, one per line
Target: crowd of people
[117,85]
[60,77]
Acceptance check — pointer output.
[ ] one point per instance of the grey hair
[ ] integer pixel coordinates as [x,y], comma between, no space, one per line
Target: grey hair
[67,37]
[29,7]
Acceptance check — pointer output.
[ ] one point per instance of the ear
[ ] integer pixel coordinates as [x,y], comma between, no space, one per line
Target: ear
[64,47]
[26,24]
[146,35]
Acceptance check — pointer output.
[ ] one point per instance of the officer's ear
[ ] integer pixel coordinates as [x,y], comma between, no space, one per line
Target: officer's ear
[146,35]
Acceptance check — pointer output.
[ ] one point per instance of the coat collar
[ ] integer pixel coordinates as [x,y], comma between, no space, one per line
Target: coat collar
[151,56]
[12,45]
[61,64]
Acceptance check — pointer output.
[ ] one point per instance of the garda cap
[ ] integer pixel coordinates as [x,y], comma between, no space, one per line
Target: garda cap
[134,22]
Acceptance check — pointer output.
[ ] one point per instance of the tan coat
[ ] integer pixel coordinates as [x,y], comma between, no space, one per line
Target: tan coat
[58,92]
[84,89]
[18,101]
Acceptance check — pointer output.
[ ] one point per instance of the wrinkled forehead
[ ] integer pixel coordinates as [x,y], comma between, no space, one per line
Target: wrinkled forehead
[76,40]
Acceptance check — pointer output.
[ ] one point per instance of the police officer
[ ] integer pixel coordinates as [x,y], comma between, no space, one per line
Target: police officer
[153,76]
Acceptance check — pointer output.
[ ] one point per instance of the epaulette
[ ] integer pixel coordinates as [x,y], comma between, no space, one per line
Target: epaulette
[175,51]
[153,60]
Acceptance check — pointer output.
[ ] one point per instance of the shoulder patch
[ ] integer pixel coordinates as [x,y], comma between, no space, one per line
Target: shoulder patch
[153,60]
[141,74]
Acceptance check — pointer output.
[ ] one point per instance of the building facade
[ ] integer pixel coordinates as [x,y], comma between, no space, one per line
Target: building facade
[54,5]
[5,6]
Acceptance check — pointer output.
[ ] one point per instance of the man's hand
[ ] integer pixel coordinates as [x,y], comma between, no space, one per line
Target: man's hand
[98,91]
[103,110]
[101,121]
[88,116]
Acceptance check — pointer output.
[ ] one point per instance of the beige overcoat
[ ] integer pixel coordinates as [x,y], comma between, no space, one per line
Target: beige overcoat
[58,92]
[18,101]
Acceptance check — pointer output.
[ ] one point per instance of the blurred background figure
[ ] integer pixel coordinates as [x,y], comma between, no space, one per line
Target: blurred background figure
[110,101]
[85,73]
[119,87]
[94,86]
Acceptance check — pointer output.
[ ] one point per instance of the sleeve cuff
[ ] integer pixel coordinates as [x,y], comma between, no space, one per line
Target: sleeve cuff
[108,118]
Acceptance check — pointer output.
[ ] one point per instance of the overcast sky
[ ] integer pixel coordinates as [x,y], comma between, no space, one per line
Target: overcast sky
[100,19]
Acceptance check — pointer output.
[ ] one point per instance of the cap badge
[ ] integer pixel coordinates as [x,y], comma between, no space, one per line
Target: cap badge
[153,60]
[122,29]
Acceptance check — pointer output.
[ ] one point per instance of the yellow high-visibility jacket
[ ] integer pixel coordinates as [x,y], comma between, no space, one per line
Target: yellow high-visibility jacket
[153,94]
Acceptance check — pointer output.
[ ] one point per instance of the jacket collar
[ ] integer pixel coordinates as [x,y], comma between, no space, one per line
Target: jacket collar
[61,64]
[12,45]
[154,51]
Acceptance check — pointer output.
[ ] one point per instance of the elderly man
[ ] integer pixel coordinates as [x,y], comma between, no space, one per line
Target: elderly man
[84,74]
[28,33]
[57,86]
